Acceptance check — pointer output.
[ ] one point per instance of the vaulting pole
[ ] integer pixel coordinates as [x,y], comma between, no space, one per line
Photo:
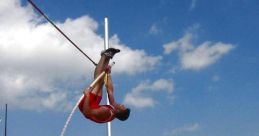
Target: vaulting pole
[106,46]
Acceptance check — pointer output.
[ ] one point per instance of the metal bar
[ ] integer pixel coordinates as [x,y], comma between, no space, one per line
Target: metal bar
[106,46]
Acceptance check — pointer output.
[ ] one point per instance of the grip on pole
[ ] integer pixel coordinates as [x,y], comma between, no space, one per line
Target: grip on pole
[99,77]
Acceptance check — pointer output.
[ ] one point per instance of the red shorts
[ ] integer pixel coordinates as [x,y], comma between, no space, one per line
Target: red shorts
[94,103]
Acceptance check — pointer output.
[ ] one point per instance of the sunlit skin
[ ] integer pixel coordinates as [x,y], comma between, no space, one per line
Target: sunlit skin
[102,112]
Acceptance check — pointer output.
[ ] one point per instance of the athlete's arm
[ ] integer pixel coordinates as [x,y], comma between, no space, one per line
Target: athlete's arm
[110,90]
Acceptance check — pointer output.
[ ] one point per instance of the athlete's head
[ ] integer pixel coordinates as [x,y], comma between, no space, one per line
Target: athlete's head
[123,113]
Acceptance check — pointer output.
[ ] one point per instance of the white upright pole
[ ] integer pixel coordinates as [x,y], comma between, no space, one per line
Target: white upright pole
[106,46]
[106,31]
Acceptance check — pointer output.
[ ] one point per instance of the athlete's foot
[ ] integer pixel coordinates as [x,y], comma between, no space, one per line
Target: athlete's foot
[110,52]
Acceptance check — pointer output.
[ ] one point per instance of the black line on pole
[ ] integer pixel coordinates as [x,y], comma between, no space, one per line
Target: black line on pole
[60,31]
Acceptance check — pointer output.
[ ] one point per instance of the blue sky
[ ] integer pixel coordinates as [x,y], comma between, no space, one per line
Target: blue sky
[186,68]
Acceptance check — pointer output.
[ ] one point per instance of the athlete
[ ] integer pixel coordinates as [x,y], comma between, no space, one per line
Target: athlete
[90,104]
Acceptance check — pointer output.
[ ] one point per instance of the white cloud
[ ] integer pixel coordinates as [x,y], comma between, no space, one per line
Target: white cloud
[131,61]
[183,44]
[158,85]
[136,97]
[216,78]
[183,130]
[204,55]
[196,58]
[193,4]
[138,101]
[154,29]
[39,66]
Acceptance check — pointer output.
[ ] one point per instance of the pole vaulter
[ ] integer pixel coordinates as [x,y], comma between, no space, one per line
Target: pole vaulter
[92,85]
[34,5]
[89,102]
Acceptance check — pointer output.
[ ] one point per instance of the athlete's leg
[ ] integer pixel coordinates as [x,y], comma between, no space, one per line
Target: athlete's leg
[101,66]
[97,90]
[104,61]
